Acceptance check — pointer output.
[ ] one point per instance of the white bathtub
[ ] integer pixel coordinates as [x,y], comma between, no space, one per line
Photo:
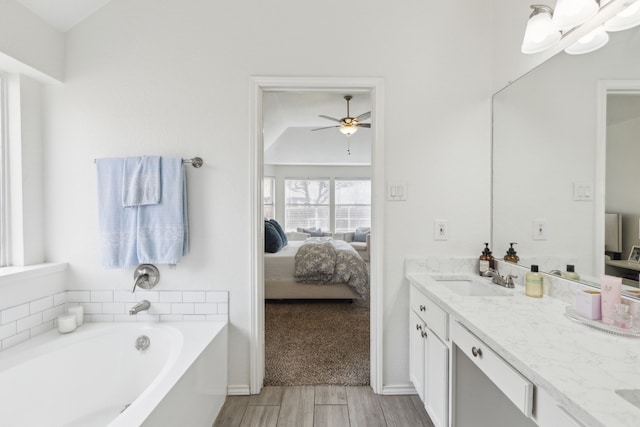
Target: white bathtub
[86,378]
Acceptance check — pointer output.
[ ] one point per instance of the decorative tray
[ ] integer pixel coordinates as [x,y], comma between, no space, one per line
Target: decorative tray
[597,324]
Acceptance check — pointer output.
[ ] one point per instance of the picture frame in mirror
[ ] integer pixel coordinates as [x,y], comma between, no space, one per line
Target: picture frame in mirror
[634,254]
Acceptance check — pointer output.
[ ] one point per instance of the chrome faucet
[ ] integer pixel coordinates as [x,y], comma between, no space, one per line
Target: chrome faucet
[498,279]
[556,272]
[141,306]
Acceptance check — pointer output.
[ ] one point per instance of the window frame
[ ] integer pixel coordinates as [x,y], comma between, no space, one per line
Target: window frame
[286,205]
[336,205]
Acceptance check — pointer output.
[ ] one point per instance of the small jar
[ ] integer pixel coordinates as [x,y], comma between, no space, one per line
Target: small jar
[533,284]
[67,323]
[622,318]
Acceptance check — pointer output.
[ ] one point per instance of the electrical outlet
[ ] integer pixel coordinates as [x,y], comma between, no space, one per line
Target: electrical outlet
[539,230]
[440,229]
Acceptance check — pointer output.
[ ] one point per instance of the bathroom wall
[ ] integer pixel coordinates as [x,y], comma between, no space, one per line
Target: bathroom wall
[173,78]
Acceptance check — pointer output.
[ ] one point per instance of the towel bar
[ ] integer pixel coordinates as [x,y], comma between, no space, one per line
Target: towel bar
[196,162]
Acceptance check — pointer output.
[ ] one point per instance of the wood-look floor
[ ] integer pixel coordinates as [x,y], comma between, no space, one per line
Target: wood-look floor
[319,406]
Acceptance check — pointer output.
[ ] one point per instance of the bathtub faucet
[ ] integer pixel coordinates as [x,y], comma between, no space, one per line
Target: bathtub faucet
[141,306]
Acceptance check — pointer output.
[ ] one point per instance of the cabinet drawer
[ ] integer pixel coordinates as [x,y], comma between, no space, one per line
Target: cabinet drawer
[434,316]
[515,386]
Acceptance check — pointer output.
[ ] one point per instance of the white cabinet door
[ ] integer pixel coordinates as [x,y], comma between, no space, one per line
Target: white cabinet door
[436,380]
[416,353]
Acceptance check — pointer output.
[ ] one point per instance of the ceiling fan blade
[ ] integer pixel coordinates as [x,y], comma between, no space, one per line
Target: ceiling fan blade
[327,127]
[364,125]
[364,116]
[330,118]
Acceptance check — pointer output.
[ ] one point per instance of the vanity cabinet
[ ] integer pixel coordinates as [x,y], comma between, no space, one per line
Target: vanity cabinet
[429,355]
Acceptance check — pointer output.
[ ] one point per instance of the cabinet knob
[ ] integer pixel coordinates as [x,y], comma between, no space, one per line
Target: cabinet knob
[423,308]
[418,327]
[424,334]
[477,352]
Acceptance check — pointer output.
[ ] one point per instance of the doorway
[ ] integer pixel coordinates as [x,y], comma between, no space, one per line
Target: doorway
[374,88]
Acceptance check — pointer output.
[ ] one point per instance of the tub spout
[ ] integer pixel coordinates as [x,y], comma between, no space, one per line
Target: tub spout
[141,306]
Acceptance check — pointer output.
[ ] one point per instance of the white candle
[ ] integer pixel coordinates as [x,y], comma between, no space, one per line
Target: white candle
[66,323]
[78,311]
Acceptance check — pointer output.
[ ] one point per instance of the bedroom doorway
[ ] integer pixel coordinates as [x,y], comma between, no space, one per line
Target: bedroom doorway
[309,322]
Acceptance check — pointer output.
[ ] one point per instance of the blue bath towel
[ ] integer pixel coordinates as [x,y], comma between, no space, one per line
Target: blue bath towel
[141,181]
[117,224]
[162,232]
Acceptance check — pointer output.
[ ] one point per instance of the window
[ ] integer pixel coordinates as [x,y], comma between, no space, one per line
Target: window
[352,204]
[306,203]
[268,194]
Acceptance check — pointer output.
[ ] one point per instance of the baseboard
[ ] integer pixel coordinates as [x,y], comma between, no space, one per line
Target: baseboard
[397,389]
[238,390]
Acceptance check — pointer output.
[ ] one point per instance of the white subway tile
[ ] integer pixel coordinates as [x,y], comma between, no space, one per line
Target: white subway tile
[170,296]
[15,313]
[60,298]
[29,322]
[194,317]
[223,308]
[207,308]
[78,296]
[171,317]
[113,308]
[92,308]
[184,308]
[151,296]
[40,305]
[147,317]
[123,318]
[217,317]
[124,296]
[7,330]
[102,318]
[101,296]
[41,328]
[160,308]
[217,296]
[16,339]
[194,296]
[52,313]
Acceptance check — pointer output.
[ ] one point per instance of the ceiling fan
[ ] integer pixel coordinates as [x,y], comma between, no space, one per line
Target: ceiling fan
[348,125]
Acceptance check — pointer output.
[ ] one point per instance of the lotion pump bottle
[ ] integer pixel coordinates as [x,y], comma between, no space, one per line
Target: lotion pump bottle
[511,255]
[571,273]
[485,260]
[533,283]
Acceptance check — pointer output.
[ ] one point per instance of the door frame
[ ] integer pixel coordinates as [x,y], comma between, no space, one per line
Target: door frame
[375,87]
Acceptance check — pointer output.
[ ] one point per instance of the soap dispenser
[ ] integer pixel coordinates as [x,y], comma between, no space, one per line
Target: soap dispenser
[485,260]
[570,273]
[511,255]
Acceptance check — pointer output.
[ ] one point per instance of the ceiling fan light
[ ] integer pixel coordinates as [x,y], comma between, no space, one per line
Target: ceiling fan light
[628,17]
[348,129]
[592,41]
[571,13]
[540,33]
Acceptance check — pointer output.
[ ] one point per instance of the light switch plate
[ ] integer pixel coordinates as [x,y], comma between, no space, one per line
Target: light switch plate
[397,191]
[582,191]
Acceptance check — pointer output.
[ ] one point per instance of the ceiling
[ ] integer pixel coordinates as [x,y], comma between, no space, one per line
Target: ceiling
[63,14]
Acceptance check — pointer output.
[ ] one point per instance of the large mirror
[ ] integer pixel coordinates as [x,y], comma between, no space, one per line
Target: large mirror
[555,177]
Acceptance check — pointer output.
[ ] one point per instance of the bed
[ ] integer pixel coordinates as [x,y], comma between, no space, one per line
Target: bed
[283,281]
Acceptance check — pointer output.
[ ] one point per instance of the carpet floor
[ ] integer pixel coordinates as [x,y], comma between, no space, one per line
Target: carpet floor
[311,343]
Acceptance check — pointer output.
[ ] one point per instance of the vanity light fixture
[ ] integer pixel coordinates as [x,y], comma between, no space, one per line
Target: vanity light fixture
[541,33]
[590,42]
[628,17]
[571,13]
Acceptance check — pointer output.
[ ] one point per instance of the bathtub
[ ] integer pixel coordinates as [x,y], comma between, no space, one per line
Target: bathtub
[88,377]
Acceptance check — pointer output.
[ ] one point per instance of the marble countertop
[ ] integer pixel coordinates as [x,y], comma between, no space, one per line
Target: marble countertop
[579,366]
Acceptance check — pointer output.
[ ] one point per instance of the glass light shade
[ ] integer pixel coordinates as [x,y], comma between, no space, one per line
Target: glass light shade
[540,34]
[348,129]
[571,13]
[628,17]
[592,41]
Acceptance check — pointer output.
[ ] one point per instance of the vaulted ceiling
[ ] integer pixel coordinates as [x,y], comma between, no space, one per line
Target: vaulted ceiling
[63,14]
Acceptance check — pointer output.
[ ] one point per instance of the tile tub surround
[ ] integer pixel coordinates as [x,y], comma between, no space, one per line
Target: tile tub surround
[22,322]
[579,367]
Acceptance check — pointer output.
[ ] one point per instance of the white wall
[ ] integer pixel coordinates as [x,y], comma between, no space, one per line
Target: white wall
[173,78]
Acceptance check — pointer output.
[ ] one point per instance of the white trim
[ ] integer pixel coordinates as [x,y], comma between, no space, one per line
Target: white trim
[375,86]
[238,390]
[398,389]
[5,208]
[604,88]
[12,274]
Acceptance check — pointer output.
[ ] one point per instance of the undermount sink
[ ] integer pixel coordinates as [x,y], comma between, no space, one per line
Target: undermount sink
[473,288]
[632,396]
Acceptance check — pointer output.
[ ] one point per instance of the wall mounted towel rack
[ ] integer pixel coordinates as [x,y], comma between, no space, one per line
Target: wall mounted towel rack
[196,162]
